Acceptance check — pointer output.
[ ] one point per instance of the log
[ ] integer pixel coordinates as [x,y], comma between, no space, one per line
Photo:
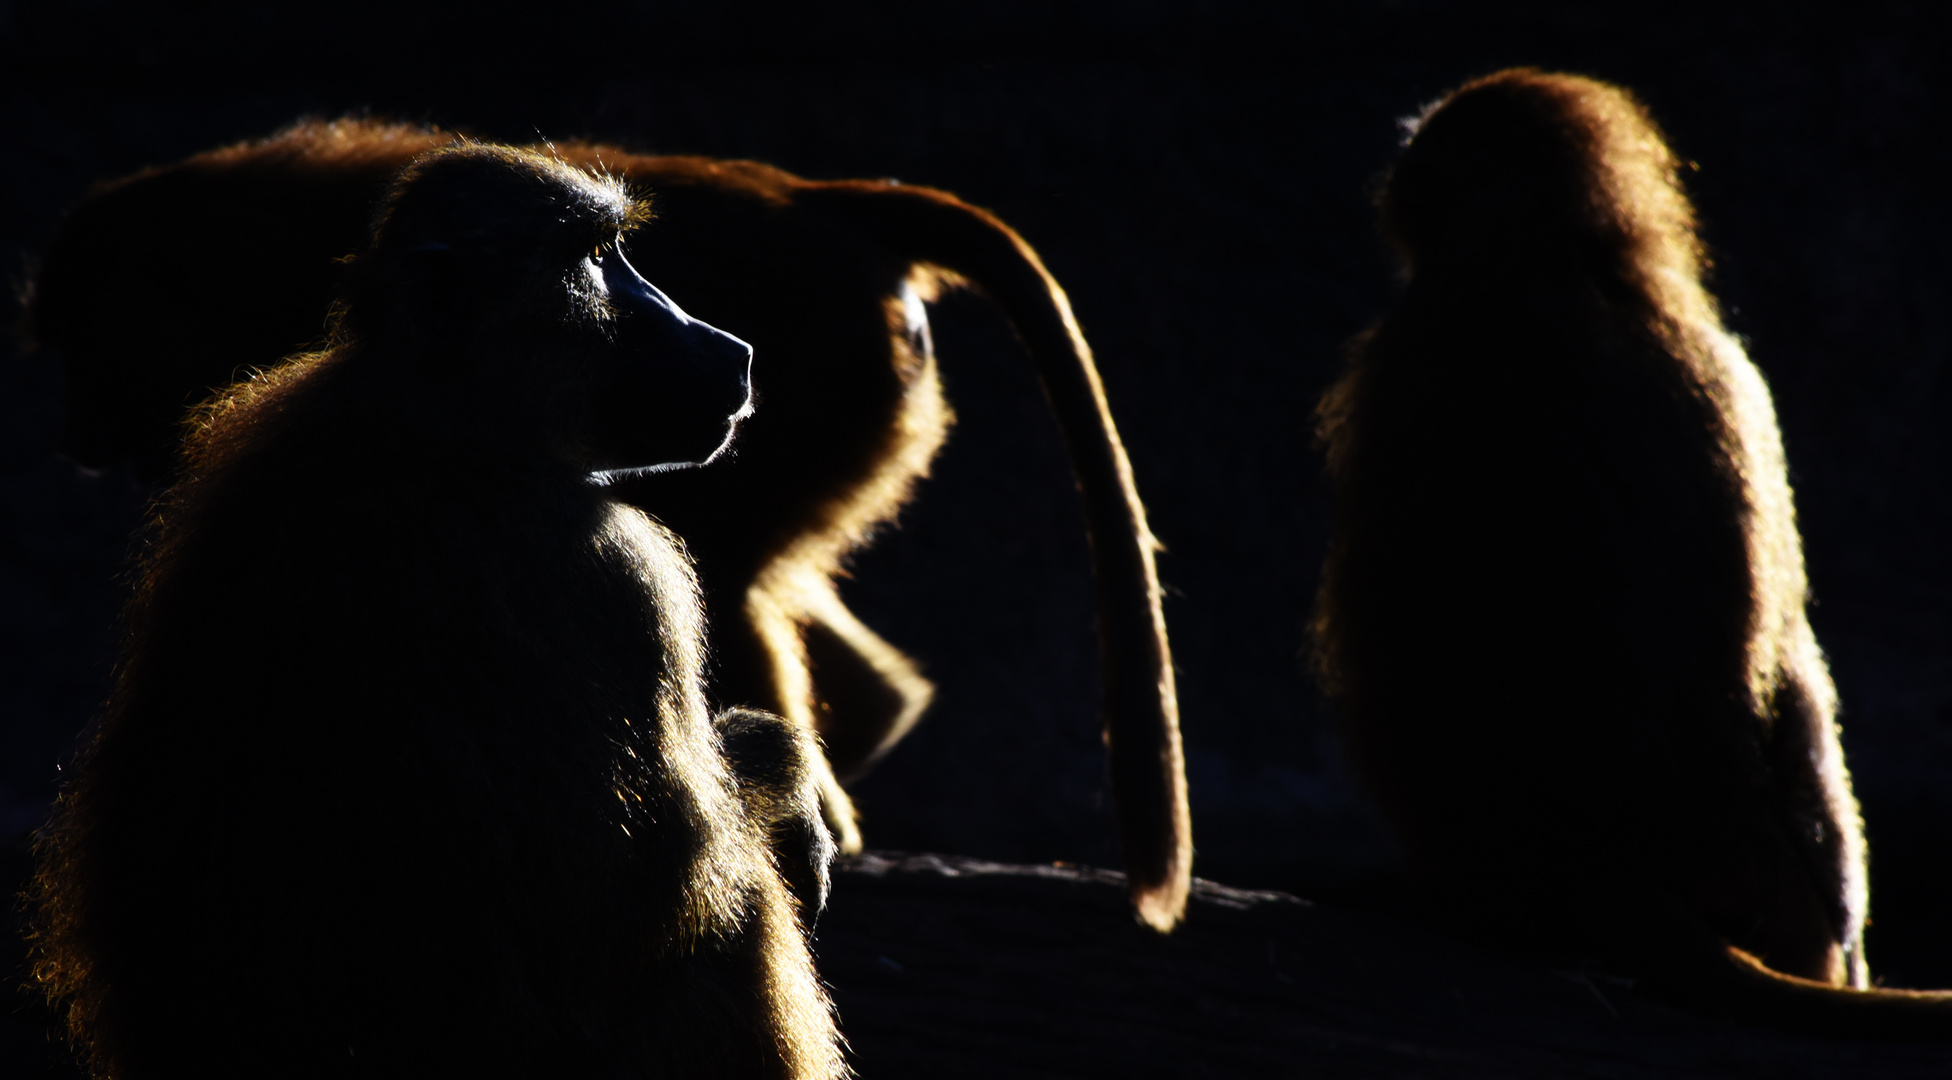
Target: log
[949,967]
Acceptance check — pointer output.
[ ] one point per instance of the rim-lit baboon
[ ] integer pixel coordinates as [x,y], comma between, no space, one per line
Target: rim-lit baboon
[407,768]
[826,279]
[1563,610]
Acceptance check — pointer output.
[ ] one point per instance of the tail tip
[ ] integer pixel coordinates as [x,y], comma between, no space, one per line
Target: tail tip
[1161,905]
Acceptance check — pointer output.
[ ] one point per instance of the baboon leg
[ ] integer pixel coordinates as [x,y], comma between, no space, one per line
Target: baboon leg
[867,693]
[775,611]
[842,819]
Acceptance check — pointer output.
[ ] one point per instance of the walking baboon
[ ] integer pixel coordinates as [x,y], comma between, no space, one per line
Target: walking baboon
[407,768]
[1563,610]
[826,279]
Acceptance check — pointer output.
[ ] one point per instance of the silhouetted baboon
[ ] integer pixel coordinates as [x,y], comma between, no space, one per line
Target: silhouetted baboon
[1563,611]
[407,769]
[826,279]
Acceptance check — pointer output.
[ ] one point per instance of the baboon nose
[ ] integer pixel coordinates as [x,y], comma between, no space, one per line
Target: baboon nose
[721,352]
[735,351]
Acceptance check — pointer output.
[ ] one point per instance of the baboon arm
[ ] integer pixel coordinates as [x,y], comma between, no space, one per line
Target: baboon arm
[1141,702]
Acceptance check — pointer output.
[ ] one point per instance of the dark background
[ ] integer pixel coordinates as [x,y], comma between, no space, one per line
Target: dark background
[1198,180]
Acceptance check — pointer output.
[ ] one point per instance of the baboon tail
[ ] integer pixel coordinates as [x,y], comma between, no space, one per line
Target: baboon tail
[1141,705]
[1746,990]
[1704,972]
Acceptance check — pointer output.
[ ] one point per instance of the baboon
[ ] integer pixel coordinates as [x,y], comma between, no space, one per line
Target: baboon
[1563,611]
[827,279]
[407,768]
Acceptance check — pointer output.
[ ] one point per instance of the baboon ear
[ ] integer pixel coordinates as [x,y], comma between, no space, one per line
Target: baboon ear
[426,276]
[440,292]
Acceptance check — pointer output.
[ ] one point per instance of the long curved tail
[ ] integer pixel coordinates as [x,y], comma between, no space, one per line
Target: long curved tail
[1141,703]
[1743,989]
[1689,964]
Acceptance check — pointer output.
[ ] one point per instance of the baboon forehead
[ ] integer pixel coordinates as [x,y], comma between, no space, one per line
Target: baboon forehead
[473,195]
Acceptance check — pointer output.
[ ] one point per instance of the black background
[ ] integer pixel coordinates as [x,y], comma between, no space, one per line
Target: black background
[1197,177]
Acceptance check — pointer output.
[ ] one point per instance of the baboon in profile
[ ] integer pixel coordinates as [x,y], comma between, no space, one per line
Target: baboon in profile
[407,768]
[826,279]
[1563,610]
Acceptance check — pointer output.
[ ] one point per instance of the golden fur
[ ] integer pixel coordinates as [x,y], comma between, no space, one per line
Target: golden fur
[827,279]
[1563,612]
[407,769]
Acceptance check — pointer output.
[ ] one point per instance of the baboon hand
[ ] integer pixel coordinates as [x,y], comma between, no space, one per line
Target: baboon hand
[770,757]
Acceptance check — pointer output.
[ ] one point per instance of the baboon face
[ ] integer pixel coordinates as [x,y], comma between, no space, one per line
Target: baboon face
[501,272]
[694,377]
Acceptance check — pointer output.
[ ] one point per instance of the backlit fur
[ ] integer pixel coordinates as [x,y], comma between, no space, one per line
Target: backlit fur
[407,769]
[1563,617]
[827,280]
